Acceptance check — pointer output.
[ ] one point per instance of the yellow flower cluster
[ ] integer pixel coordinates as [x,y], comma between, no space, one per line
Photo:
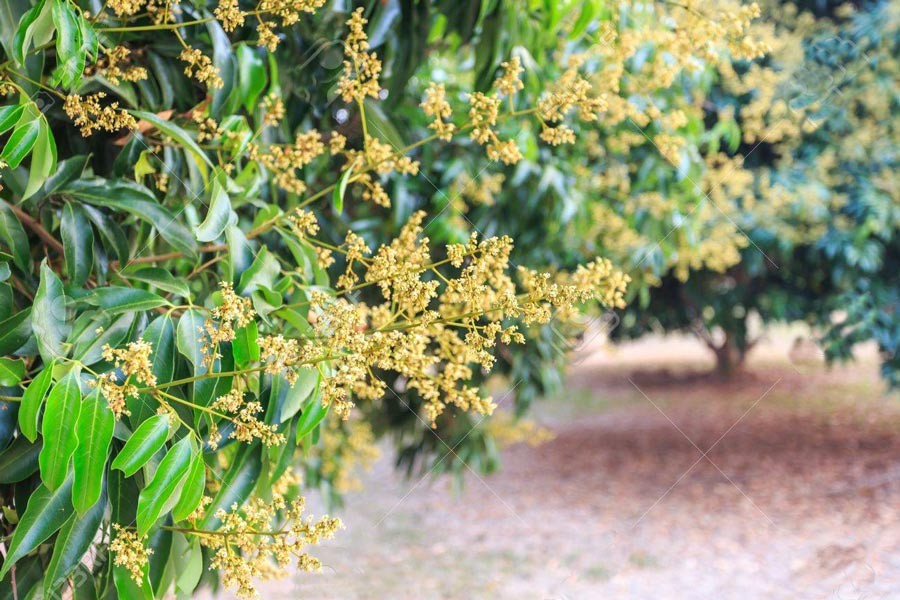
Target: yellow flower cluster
[361,67]
[260,539]
[432,325]
[134,361]
[247,426]
[200,67]
[130,552]
[115,65]
[435,105]
[87,114]
[283,162]
[234,311]
[288,11]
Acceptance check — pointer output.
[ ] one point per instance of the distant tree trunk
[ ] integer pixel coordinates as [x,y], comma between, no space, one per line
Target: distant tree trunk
[729,357]
[730,353]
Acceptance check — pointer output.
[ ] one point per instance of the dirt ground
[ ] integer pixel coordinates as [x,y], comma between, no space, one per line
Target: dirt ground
[661,483]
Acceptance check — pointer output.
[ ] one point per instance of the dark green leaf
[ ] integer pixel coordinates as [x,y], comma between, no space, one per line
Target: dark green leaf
[94,431]
[46,512]
[13,235]
[73,542]
[60,416]
[161,493]
[78,243]
[15,331]
[20,143]
[12,371]
[193,489]
[245,346]
[142,445]
[135,199]
[162,279]
[32,400]
[116,300]
[48,318]
[19,461]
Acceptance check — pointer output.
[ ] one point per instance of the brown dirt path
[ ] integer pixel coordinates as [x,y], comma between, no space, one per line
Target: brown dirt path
[797,497]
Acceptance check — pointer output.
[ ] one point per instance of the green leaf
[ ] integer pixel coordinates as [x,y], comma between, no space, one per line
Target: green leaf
[12,371]
[237,484]
[115,299]
[142,445]
[133,198]
[78,243]
[15,331]
[32,400]
[19,461]
[70,51]
[251,75]
[262,272]
[48,317]
[161,279]
[46,512]
[178,134]
[10,115]
[88,344]
[13,235]
[43,160]
[20,143]
[94,431]
[307,380]
[313,414]
[245,346]
[193,489]
[218,217]
[73,542]
[337,196]
[160,495]
[36,25]
[60,416]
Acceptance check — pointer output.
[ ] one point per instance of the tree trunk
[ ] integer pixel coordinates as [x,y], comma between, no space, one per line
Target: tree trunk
[729,357]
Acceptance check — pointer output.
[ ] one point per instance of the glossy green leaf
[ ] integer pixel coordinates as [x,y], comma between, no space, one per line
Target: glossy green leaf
[193,489]
[69,48]
[35,26]
[116,300]
[133,198]
[262,272]
[45,513]
[176,133]
[12,371]
[13,235]
[43,160]
[219,215]
[19,461]
[142,445]
[58,429]
[313,414]
[161,279]
[32,400]
[73,542]
[237,484]
[48,317]
[94,432]
[297,394]
[78,243]
[20,143]
[252,77]
[161,494]
[337,196]
[10,115]
[245,345]
[15,331]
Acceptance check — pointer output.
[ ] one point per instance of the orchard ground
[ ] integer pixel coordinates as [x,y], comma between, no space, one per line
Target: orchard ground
[661,482]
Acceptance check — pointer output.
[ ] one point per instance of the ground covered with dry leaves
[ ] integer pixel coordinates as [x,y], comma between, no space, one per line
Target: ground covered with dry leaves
[661,482]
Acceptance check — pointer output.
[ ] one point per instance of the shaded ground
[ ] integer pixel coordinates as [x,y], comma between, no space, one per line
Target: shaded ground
[796,495]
